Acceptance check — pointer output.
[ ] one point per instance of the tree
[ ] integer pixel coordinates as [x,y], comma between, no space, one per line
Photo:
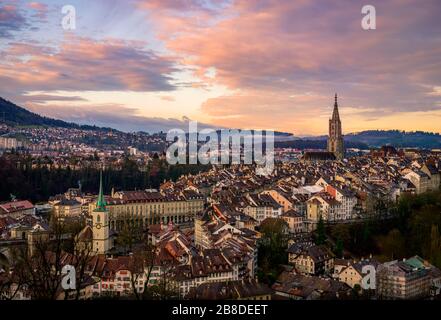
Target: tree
[435,246]
[272,248]
[339,248]
[136,268]
[83,257]
[142,263]
[393,245]
[366,233]
[130,233]
[10,285]
[320,232]
[36,180]
[412,229]
[38,267]
[164,286]
[356,290]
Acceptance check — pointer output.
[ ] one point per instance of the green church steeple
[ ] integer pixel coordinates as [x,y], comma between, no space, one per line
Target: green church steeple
[101,202]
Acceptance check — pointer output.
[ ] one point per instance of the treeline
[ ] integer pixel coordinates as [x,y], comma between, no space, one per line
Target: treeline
[399,139]
[316,144]
[394,133]
[39,183]
[415,230]
[122,141]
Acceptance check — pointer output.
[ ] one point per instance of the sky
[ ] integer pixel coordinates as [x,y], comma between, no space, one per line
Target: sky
[153,65]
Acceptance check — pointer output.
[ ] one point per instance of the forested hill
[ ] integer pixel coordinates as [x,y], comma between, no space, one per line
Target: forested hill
[13,115]
[397,138]
[378,138]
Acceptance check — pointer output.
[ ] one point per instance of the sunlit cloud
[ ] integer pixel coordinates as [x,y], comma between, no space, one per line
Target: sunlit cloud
[84,64]
[236,63]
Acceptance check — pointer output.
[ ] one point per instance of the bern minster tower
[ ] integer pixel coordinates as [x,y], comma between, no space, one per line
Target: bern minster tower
[335,139]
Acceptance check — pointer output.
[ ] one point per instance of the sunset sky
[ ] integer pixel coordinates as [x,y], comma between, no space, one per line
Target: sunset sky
[274,64]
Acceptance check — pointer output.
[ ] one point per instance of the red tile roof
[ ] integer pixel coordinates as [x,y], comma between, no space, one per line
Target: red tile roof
[14,206]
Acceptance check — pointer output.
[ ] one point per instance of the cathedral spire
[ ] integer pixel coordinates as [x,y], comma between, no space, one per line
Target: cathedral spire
[335,139]
[101,202]
[335,114]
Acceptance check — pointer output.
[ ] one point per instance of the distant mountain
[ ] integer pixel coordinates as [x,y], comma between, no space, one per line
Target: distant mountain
[278,135]
[13,115]
[397,138]
[378,138]
[312,143]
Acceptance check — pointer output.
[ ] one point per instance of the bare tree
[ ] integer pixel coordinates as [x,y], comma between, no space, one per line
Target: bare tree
[130,233]
[166,288]
[136,267]
[142,264]
[83,257]
[10,285]
[39,266]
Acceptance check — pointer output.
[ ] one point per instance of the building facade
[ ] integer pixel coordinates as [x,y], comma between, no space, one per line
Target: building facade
[148,207]
[67,208]
[401,280]
[311,259]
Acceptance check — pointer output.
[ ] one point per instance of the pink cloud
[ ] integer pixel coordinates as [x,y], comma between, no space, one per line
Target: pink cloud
[40,8]
[9,8]
[269,54]
[84,64]
[37,6]
[270,48]
[267,110]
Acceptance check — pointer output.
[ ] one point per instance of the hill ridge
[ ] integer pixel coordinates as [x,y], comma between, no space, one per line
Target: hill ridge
[14,115]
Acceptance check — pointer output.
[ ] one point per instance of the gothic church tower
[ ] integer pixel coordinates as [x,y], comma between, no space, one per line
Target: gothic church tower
[335,139]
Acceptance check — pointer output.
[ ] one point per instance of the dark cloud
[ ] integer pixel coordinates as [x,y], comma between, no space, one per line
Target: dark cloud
[42,98]
[11,21]
[114,116]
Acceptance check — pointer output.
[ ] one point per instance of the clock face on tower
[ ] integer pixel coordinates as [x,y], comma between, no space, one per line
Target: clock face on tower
[98,225]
